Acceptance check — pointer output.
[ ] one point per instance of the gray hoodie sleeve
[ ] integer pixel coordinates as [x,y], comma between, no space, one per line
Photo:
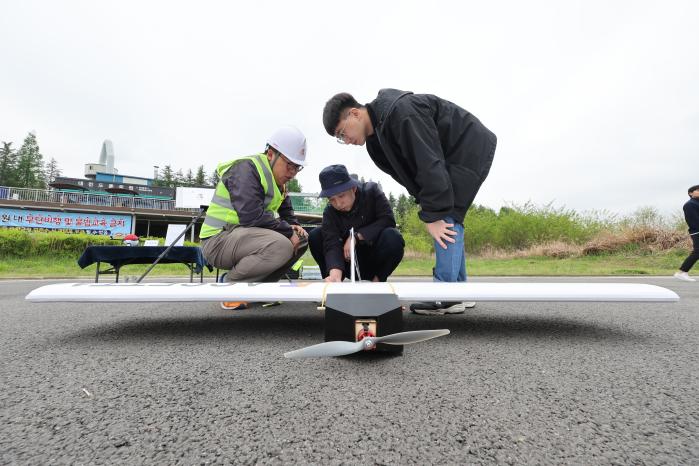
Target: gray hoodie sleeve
[248,197]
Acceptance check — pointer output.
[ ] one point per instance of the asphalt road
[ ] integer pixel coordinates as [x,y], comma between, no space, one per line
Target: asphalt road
[193,384]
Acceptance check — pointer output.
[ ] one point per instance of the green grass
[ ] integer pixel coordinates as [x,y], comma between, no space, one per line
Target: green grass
[67,267]
[614,264]
[664,263]
[515,228]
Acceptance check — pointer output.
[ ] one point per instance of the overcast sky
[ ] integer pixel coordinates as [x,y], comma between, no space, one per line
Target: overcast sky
[595,103]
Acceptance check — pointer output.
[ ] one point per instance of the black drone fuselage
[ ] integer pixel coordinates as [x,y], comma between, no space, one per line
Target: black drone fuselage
[345,313]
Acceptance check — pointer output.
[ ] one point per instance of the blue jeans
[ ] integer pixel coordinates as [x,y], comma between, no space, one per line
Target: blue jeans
[451,262]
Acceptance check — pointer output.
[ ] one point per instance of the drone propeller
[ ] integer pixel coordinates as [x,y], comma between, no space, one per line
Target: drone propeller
[406,338]
[342,348]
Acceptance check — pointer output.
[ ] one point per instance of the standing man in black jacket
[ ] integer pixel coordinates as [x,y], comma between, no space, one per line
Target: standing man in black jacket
[438,151]
[364,207]
[691,215]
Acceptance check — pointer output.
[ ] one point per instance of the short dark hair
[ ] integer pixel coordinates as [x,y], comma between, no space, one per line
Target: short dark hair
[335,107]
[693,188]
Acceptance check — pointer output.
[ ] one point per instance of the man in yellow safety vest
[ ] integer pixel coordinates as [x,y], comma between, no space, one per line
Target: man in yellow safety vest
[250,228]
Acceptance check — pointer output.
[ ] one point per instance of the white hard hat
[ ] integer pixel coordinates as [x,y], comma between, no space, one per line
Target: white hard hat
[291,142]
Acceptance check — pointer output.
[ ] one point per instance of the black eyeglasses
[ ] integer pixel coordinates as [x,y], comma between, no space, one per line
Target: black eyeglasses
[341,134]
[294,167]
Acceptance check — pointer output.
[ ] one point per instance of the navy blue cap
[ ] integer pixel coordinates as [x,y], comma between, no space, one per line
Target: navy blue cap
[335,179]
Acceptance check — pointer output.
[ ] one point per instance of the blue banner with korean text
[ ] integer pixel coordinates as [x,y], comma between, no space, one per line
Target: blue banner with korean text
[69,222]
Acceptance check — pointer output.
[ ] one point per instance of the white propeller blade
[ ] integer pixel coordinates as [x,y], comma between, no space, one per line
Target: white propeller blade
[406,338]
[342,348]
[330,348]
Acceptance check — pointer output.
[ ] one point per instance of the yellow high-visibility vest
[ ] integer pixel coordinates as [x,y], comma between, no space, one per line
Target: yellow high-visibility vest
[221,212]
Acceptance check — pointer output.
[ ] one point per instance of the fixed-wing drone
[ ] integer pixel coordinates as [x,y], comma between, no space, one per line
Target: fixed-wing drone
[348,305]
[359,316]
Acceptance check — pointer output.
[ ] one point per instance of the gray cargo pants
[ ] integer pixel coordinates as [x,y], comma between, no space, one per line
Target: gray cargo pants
[252,254]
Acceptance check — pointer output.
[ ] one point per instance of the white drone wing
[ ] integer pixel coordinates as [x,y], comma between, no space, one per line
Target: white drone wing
[305,291]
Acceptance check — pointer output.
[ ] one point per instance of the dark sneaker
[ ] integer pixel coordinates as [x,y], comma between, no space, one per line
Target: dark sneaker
[427,309]
[454,307]
[438,308]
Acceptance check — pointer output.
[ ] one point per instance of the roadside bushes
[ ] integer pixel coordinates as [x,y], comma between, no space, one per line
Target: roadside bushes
[22,243]
[520,227]
[512,228]
[417,240]
[16,243]
[645,231]
[529,230]
[637,239]
[514,231]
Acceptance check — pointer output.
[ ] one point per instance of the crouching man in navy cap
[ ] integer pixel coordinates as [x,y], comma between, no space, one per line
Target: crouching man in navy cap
[364,207]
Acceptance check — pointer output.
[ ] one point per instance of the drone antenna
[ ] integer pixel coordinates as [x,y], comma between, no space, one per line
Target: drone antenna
[352,256]
[354,261]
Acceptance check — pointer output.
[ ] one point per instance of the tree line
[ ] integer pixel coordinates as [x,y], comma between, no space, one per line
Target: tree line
[25,167]
[401,205]
[168,177]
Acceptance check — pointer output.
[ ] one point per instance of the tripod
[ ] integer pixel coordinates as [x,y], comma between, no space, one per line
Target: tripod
[202,211]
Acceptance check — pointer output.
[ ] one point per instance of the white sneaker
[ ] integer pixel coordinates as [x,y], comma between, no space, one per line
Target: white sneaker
[684,276]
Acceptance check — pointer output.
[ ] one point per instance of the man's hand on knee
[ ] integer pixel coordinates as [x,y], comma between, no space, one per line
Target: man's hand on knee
[441,231]
[300,232]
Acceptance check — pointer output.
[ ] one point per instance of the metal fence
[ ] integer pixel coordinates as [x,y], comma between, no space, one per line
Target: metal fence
[307,203]
[303,203]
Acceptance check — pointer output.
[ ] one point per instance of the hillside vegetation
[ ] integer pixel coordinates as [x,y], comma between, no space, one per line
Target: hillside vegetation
[532,231]
[516,240]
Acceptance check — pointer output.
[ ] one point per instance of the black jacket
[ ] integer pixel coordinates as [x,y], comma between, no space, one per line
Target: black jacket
[440,152]
[370,214]
[691,215]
